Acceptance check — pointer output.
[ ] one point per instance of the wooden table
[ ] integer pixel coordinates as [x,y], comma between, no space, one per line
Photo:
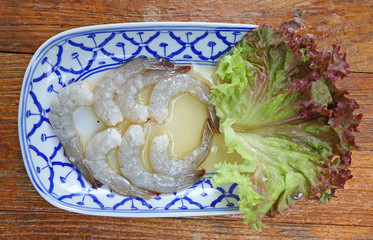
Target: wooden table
[25,25]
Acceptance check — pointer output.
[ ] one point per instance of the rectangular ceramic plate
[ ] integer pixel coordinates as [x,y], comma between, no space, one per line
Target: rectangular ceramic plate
[89,52]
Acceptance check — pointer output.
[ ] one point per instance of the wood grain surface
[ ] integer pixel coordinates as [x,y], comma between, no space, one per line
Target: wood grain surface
[25,25]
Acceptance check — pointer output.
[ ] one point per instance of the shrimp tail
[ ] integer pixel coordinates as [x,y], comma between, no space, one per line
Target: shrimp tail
[119,186]
[190,178]
[208,132]
[164,64]
[86,172]
[175,69]
[157,64]
[207,138]
[213,121]
[146,195]
[200,173]
[180,69]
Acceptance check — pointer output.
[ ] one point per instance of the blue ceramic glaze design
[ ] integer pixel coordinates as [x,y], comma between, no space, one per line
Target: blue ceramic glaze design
[88,52]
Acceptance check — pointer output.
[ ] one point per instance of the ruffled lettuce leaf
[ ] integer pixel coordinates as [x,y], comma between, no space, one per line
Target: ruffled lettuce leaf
[280,110]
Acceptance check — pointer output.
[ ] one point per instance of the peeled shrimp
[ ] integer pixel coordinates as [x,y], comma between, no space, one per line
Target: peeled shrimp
[126,95]
[114,99]
[132,169]
[95,158]
[165,89]
[104,104]
[60,116]
[163,164]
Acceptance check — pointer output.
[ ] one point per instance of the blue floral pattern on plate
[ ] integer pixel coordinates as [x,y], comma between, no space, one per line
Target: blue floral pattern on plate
[89,52]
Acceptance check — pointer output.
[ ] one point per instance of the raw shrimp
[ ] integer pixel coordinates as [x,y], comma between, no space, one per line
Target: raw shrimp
[163,164]
[126,95]
[95,158]
[60,116]
[132,168]
[104,104]
[165,89]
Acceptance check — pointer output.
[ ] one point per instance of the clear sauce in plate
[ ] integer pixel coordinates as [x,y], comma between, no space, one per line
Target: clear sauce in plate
[184,127]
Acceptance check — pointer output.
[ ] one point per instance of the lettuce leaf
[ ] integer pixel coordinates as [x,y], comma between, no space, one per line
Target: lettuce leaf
[280,110]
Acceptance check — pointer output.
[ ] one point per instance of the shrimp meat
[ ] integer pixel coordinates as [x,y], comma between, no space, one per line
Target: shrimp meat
[163,164]
[165,89]
[60,116]
[132,168]
[95,158]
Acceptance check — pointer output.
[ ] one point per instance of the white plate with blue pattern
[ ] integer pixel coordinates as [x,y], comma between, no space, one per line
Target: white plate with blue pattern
[89,52]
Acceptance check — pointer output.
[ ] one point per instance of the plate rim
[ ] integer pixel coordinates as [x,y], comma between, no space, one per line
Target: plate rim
[108,27]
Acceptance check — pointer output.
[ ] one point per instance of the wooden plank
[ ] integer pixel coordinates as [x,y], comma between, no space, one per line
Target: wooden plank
[360,87]
[38,225]
[25,25]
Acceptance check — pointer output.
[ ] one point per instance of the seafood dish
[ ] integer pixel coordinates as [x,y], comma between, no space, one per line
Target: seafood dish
[114,100]
[186,119]
[84,57]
